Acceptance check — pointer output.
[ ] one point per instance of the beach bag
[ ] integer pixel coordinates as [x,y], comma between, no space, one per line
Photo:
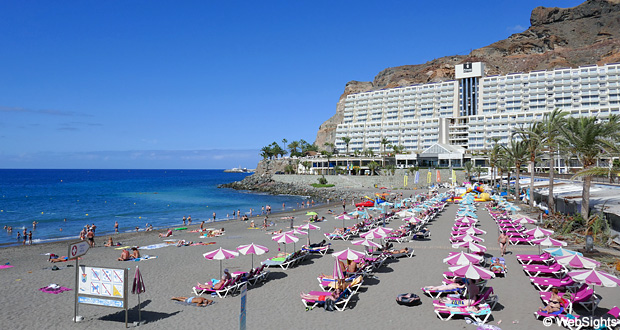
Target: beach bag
[329,305]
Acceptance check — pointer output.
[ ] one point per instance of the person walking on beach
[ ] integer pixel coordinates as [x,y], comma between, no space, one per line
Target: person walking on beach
[30,238]
[189,220]
[116,227]
[344,205]
[91,238]
[265,223]
[183,220]
[213,216]
[502,240]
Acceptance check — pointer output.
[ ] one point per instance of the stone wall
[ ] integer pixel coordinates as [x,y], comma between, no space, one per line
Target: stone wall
[395,181]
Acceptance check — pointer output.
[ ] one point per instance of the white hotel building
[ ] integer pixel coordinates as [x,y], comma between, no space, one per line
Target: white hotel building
[441,120]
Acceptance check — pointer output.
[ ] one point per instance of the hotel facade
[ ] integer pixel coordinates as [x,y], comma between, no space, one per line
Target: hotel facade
[446,121]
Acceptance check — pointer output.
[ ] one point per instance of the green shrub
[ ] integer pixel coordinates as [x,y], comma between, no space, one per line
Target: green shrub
[322,180]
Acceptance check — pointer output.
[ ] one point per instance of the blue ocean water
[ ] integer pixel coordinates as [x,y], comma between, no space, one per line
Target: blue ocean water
[131,197]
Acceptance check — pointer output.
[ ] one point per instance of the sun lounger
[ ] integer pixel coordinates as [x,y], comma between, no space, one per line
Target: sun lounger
[353,283]
[340,303]
[485,297]
[556,270]
[547,283]
[286,262]
[229,287]
[527,259]
[520,240]
[497,269]
[481,316]
[558,317]
[437,293]
[332,236]
[319,249]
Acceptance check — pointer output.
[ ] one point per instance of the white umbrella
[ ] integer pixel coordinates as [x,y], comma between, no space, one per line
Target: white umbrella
[220,254]
[252,249]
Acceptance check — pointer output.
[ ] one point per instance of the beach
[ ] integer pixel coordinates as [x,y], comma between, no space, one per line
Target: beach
[273,304]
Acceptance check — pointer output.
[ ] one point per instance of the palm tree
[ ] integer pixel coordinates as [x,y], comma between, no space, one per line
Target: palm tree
[346,141]
[384,142]
[266,152]
[551,128]
[586,138]
[468,166]
[329,145]
[517,153]
[531,134]
[307,165]
[284,141]
[292,147]
[372,166]
[390,168]
[494,157]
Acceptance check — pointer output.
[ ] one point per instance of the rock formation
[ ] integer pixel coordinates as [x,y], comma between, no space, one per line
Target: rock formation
[558,37]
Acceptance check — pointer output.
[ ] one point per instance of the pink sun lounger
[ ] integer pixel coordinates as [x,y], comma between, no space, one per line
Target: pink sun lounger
[527,259]
[545,284]
[556,270]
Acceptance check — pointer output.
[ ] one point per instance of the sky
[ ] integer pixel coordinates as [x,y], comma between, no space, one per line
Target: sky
[206,84]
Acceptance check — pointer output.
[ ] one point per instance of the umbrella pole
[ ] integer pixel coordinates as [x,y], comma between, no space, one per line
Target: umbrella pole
[252,261]
[220,269]
[139,309]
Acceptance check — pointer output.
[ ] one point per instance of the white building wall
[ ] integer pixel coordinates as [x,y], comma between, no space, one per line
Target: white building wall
[408,116]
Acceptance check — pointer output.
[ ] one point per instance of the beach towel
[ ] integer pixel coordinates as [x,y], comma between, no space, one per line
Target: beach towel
[180,228]
[201,243]
[144,258]
[54,288]
[154,246]
[5,266]
[193,304]
[122,247]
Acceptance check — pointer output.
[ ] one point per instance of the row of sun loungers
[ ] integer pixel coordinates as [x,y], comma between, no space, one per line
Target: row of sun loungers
[286,261]
[233,285]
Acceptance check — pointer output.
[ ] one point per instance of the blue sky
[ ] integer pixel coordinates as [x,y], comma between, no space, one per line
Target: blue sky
[206,84]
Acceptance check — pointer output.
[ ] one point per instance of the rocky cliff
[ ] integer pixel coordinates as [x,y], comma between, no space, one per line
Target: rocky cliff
[558,37]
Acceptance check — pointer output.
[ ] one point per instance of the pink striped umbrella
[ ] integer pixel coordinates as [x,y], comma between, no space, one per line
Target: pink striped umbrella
[413,220]
[595,277]
[366,242]
[538,232]
[344,217]
[220,254]
[577,261]
[525,220]
[337,272]
[471,246]
[475,231]
[467,238]
[348,254]
[382,230]
[286,239]
[472,272]
[372,235]
[252,249]
[462,258]
[547,241]
[309,227]
[296,232]
[466,220]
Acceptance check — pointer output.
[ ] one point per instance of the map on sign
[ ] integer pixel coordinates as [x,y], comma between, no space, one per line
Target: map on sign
[105,282]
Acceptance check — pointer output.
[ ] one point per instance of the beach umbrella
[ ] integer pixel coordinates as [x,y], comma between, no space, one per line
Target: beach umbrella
[337,273]
[137,288]
[372,235]
[577,261]
[311,213]
[472,272]
[309,227]
[595,277]
[548,241]
[286,239]
[561,252]
[382,230]
[348,254]
[466,219]
[413,220]
[252,249]
[462,259]
[538,232]
[475,231]
[525,220]
[467,238]
[344,217]
[296,232]
[512,208]
[471,246]
[220,254]
[366,242]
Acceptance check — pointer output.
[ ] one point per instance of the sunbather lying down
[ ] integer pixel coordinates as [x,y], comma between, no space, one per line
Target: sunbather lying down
[460,302]
[316,297]
[455,285]
[199,301]
[469,309]
[405,250]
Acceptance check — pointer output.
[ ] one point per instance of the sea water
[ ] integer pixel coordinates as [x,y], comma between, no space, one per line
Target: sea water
[71,199]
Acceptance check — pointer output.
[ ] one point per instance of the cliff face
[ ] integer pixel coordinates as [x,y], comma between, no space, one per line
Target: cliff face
[558,37]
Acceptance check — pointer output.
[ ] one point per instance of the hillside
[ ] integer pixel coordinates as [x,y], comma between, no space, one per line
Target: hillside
[557,38]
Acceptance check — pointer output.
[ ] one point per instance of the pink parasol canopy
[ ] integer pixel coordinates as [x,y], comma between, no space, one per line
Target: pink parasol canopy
[548,241]
[309,227]
[220,254]
[472,272]
[462,258]
[466,220]
[475,231]
[348,254]
[366,242]
[467,238]
[538,232]
[252,249]
[595,277]
[413,220]
[285,238]
[577,261]
[296,232]
[471,246]
[525,220]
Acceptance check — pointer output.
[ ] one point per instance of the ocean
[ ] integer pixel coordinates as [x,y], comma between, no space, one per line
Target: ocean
[71,199]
